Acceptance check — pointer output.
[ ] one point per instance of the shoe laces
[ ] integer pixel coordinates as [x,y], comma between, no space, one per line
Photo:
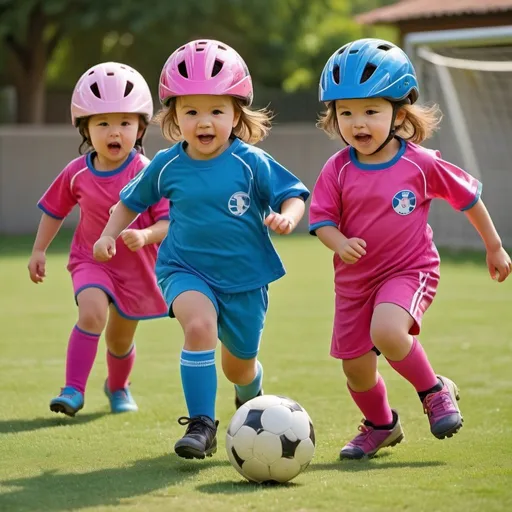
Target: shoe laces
[67,393]
[120,394]
[366,432]
[196,424]
[438,403]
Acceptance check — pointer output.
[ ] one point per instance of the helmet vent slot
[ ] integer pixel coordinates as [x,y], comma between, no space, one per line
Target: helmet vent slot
[385,47]
[336,74]
[95,90]
[128,88]
[368,72]
[217,66]
[182,68]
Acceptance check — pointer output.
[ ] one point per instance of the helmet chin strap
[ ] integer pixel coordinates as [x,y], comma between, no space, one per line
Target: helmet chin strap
[392,130]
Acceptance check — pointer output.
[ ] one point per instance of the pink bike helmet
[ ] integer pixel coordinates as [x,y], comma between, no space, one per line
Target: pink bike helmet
[111,87]
[205,67]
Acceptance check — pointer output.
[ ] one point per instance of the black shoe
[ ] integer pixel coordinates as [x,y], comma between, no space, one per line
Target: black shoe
[200,439]
[239,403]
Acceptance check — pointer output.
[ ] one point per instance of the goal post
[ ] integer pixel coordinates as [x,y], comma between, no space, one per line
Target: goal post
[468,73]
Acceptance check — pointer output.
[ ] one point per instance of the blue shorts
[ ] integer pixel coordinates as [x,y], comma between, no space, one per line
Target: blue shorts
[240,316]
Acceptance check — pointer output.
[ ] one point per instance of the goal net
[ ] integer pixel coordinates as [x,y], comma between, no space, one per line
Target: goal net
[471,81]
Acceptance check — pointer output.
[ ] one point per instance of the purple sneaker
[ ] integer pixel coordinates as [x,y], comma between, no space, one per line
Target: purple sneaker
[371,440]
[442,410]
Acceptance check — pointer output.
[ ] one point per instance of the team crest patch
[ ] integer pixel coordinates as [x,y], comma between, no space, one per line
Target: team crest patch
[404,202]
[239,203]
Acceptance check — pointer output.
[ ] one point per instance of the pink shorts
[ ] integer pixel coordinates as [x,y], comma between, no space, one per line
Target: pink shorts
[137,298]
[413,291]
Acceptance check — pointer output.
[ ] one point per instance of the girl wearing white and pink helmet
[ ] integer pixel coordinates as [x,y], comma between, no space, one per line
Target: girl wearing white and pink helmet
[215,265]
[111,107]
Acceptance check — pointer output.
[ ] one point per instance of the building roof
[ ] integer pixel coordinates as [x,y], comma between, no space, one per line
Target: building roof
[418,9]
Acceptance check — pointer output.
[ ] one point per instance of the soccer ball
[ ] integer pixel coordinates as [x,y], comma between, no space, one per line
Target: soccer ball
[270,439]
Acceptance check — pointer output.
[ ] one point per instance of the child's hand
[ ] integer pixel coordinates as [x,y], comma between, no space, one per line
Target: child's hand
[499,264]
[134,239]
[37,266]
[351,250]
[104,249]
[281,224]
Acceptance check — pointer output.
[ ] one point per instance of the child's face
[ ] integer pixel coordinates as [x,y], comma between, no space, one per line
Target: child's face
[113,136]
[206,122]
[365,123]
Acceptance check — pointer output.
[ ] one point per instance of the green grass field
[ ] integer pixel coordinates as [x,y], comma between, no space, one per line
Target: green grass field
[100,462]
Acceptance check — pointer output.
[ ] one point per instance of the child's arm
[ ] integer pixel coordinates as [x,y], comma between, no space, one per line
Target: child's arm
[283,223]
[498,261]
[48,228]
[349,250]
[135,239]
[105,247]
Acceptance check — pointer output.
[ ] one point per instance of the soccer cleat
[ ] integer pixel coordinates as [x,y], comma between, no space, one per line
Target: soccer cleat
[69,402]
[239,403]
[371,439]
[442,410]
[200,439]
[120,400]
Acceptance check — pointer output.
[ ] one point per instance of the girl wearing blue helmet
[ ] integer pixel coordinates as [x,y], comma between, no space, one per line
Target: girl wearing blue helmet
[370,206]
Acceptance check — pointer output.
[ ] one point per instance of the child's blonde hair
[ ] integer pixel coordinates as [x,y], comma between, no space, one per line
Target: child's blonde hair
[420,122]
[253,125]
[86,144]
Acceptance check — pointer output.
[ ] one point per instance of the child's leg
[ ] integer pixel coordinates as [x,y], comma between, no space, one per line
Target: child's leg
[198,318]
[381,426]
[121,354]
[367,388]
[245,374]
[82,349]
[390,333]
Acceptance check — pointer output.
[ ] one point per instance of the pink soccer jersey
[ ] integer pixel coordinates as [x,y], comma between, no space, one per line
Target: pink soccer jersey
[387,205]
[129,277]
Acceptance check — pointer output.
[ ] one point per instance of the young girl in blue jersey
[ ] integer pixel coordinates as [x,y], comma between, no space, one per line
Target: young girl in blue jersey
[215,265]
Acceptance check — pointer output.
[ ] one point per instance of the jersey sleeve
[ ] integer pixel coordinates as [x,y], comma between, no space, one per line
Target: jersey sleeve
[275,183]
[143,190]
[59,199]
[325,208]
[451,183]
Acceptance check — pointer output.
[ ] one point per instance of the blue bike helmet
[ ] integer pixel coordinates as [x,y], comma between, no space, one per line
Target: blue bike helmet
[369,68]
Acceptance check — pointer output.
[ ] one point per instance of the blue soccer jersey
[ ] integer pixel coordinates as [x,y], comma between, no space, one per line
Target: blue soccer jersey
[217,211]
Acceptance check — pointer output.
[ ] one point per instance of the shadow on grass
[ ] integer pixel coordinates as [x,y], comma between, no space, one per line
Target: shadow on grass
[242,487]
[52,491]
[17,426]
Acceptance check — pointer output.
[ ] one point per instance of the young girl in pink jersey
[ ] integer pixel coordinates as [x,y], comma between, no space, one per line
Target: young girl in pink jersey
[111,107]
[370,206]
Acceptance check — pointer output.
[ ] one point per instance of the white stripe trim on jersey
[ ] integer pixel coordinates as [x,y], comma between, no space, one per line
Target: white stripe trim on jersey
[420,293]
[422,173]
[341,170]
[72,182]
[250,172]
[161,172]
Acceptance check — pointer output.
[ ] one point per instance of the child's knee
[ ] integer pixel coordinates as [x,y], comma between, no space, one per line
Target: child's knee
[200,333]
[386,334]
[92,318]
[240,372]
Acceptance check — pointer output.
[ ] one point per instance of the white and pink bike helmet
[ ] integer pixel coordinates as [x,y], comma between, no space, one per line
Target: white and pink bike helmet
[205,66]
[111,87]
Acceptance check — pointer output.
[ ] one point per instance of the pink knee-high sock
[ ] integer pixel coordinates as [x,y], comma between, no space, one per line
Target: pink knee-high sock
[415,367]
[119,369]
[374,403]
[82,349]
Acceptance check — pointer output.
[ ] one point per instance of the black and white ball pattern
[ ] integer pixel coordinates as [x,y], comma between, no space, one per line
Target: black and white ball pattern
[270,438]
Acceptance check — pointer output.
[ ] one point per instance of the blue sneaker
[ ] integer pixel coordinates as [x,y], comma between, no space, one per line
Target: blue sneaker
[69,402]
[120,400]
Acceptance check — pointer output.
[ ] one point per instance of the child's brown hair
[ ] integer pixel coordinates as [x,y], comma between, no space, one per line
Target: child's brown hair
[419,124]
[253,125]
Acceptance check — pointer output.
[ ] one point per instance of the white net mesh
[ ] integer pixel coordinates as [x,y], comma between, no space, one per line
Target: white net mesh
[473,87]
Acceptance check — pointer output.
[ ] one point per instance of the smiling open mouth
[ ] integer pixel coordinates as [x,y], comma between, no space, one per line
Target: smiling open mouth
[205,139]
[114,145]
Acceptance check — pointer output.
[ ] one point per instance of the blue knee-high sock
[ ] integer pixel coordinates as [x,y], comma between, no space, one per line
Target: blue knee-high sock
[249,391]
[199,381]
